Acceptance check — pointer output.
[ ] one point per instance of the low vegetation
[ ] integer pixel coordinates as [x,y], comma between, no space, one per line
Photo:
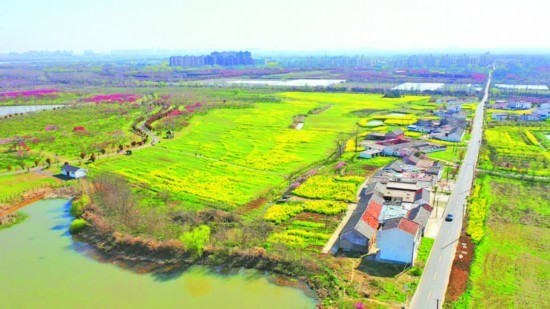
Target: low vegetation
[511,262]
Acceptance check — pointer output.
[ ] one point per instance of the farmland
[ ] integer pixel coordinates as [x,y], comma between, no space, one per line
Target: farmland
[516,149]
[226,157]
[509,220]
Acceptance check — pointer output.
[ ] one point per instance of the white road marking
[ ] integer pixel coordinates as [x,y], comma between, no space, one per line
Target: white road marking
[429,295]
[435,276]
[440,257]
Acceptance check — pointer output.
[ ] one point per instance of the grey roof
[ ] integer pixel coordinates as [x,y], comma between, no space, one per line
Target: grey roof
[457,130]
[420,214]
[70,168]
[375,186]
[422,194]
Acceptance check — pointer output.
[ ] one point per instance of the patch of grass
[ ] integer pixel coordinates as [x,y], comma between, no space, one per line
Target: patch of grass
[424,250]
[13,185]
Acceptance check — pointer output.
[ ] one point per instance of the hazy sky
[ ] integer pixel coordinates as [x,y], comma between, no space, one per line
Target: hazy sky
[104,25]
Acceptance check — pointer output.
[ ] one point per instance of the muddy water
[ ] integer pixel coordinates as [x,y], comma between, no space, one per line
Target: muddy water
[41,266]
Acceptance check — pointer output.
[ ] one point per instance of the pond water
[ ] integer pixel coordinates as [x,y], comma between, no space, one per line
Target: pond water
[396,114]
[290,83]
[375,123]
[9,110]
[41,266]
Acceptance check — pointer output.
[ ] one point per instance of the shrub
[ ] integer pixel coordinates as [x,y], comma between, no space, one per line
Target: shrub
[77,226]
[196,240]
[78,206]
[415,271]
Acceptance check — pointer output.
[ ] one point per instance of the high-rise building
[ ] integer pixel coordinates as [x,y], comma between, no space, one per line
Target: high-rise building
[225,58]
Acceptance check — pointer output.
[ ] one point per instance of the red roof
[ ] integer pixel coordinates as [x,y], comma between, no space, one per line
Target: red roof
[408,226]
[79,129]
[370,220]
[371,214]
[428,207]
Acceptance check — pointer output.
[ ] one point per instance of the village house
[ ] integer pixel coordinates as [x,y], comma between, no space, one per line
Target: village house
[395,134]
[398,241]
[73,171]
[421,215]
[359,233]
[376,136]
[500,116]
[455,134]
[371,150]
[543,113]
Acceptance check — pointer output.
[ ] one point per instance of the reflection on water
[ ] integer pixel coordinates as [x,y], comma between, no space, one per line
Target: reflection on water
[41,266]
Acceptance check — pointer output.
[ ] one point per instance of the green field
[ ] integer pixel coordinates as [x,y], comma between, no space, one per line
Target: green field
[515,149]
[512,261]
[227,157]
[106,126]
[13,185]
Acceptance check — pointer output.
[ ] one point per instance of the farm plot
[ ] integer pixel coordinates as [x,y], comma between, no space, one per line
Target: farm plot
[514,149]
[192,179]
[66,132]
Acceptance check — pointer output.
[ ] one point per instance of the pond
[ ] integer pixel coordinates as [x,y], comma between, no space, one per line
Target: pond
[41,266]
[10,110]
[375,123]
[290,83]
[396,115]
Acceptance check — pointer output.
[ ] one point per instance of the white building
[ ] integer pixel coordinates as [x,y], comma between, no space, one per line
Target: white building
[73,171]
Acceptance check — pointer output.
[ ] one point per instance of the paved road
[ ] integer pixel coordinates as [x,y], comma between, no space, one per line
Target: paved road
[433,284]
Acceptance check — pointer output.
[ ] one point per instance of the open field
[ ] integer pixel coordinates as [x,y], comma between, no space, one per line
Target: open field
[511,266]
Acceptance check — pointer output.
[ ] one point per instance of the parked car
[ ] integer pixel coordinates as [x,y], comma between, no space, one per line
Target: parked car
[449,217]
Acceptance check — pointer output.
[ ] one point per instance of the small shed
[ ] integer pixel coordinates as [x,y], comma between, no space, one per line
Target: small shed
[73,171]
[79,129]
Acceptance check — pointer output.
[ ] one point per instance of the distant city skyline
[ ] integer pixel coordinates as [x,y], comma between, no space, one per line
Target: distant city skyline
[283,25]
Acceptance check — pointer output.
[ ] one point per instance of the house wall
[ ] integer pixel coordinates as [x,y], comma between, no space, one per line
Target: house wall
[396,246]
[351,241]
[79,174]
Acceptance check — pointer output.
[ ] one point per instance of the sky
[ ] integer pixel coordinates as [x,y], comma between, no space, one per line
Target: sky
[275,25]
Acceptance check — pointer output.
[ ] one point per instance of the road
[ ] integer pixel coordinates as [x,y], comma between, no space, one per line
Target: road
[433,284]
